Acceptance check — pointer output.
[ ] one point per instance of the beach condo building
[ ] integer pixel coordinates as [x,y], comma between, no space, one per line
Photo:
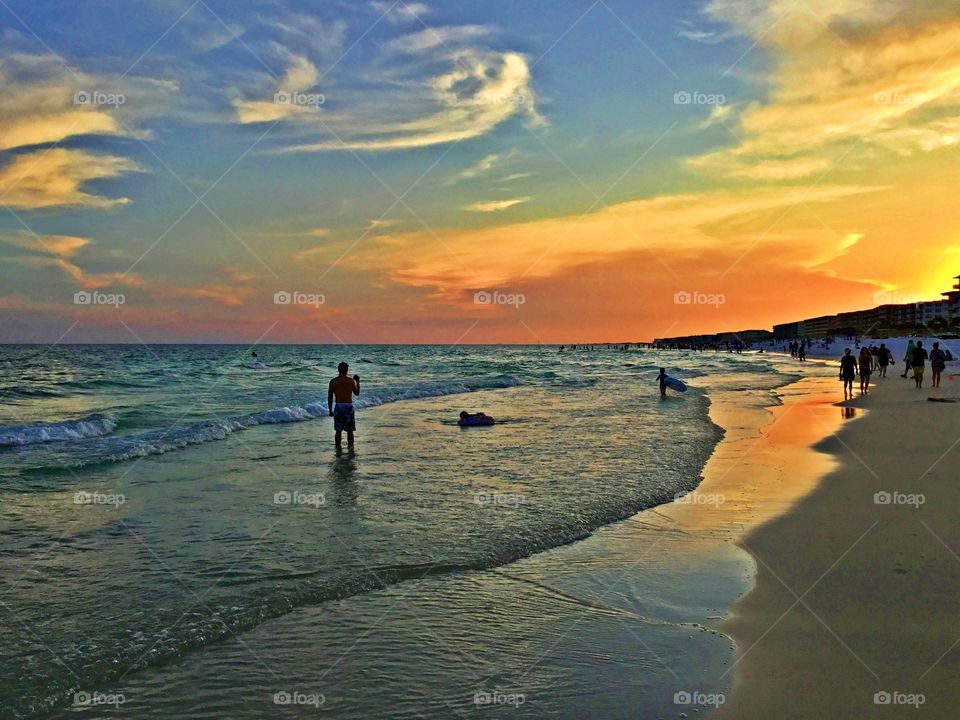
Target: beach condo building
[932,310]
[786,331]
[817,328]
[907,315]
[857,322]
[953,300]
[888,319]
[751,337]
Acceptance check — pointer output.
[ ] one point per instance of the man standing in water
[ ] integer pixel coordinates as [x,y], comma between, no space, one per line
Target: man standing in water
[343,389]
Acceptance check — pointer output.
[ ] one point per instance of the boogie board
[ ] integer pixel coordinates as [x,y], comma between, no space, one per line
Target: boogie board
[675,384]
[484,421]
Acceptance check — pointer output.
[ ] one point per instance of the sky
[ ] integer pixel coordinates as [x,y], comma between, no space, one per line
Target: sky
[328,171]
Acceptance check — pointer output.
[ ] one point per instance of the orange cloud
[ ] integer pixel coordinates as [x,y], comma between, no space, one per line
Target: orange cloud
[871,79]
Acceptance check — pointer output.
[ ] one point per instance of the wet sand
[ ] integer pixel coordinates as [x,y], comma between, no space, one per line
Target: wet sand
[854,612]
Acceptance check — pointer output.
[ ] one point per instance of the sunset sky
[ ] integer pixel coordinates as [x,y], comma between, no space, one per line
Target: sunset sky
[582,164]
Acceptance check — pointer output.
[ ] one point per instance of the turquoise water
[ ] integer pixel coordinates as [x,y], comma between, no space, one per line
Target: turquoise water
[162,504]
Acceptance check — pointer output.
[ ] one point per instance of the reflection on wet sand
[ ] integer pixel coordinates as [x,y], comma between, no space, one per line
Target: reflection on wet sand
[753,477]
[344,488]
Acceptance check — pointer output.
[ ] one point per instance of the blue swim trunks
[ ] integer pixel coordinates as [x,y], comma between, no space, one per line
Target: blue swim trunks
[343,418]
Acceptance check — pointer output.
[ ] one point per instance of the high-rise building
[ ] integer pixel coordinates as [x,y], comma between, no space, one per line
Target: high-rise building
[953,299]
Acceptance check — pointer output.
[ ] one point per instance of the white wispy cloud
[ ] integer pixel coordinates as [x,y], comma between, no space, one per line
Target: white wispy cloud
[44,102]
[434,37]
[425,87]
[60,245]
[400,13]
[693,32]
[489,206]
[481,167]
[57,177]
[481,90]
[290,99]
[59,251]
[719,114]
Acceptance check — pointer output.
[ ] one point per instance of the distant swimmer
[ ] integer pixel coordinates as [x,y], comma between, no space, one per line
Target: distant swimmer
[343,389]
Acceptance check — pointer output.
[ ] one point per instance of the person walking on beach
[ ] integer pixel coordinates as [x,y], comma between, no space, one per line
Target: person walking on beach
[883,359]
[848,371]
[908,358]
[343,389]
[919,357]
[801,352]
[938,361]
[866,368]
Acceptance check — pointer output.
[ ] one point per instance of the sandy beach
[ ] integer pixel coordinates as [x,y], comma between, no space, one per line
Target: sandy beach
[854,609]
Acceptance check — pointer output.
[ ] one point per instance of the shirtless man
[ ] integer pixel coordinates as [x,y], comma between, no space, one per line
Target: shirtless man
[343,389]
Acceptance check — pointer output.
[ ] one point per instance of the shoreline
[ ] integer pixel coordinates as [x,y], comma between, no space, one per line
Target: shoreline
[628,616]
[853,608]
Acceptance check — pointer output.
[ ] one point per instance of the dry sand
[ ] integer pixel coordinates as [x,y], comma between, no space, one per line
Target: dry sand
[855,597]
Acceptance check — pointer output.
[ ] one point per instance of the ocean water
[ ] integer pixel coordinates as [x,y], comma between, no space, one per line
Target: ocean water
[166,507]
